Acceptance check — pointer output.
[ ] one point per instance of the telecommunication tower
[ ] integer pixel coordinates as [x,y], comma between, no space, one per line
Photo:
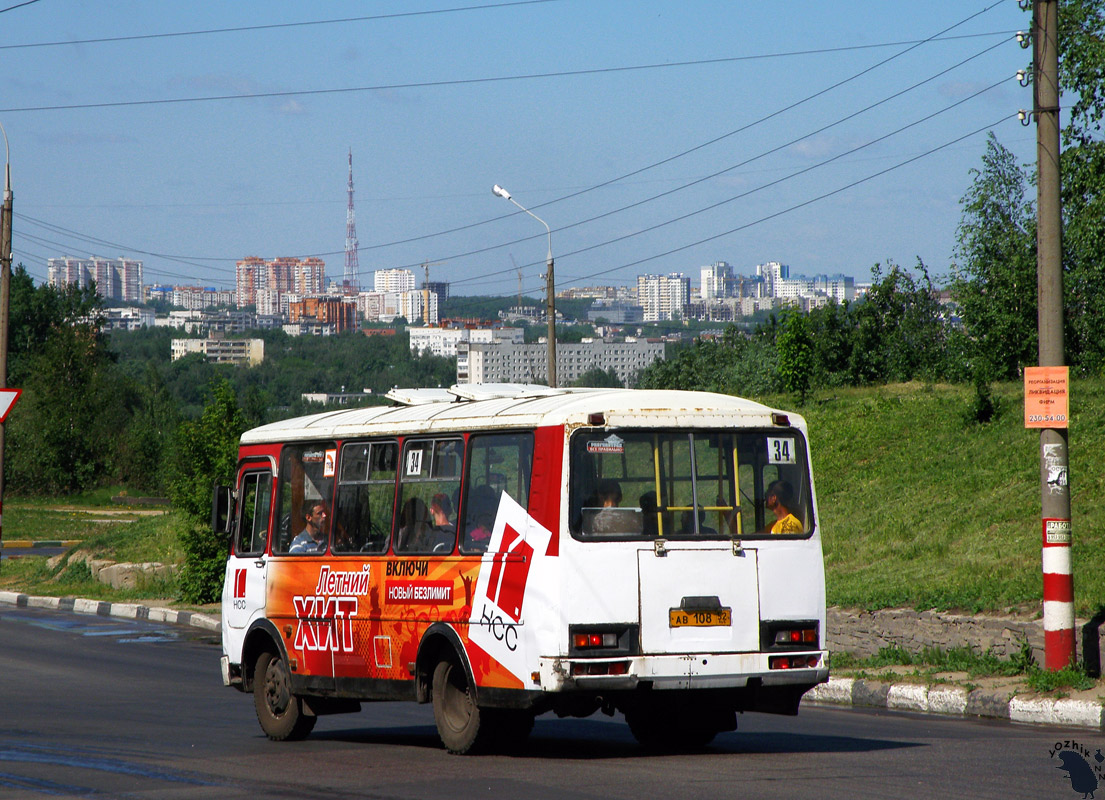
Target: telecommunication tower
[349,282]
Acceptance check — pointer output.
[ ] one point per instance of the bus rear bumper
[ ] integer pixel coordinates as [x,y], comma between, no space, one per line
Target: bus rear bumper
[679,672]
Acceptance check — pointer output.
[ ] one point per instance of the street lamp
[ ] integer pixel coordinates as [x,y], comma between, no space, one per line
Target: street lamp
[550,310]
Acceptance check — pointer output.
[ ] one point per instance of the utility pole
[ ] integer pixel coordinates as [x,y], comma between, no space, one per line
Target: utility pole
[5,293]
[1055,514]
[550,311]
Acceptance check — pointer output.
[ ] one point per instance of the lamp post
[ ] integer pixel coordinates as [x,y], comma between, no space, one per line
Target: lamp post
[550,308]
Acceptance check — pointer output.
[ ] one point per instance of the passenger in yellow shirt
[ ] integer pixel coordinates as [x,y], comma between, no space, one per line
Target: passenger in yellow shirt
[779,500]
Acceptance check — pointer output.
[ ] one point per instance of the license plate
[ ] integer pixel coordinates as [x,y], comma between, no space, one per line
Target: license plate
[681,618]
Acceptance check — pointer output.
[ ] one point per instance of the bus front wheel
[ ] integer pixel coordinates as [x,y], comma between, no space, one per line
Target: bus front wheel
[278,710]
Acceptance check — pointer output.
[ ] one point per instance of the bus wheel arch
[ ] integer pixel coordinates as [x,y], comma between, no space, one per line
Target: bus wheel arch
[262,636]
[440,641]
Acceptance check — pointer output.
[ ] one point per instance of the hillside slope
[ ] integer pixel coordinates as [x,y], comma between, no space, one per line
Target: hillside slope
[921,508]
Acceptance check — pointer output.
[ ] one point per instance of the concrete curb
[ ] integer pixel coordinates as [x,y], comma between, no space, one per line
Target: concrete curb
[957,701]
[23,544]
[102,608]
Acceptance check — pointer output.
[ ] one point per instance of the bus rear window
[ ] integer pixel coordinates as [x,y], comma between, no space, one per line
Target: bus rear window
[689,484]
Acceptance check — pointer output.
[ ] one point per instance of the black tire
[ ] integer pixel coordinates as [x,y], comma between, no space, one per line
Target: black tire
[460,722]
[278,710]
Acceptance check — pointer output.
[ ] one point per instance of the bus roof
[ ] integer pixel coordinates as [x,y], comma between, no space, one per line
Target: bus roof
[494,406]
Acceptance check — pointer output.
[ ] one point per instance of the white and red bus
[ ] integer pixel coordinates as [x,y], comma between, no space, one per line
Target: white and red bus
[502,551]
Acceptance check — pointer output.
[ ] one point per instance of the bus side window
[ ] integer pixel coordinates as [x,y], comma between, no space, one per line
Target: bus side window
[303,484]
[254,507]
[429,481]
[366,496]
[497,463]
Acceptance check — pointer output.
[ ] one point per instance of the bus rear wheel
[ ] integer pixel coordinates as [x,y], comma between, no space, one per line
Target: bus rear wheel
[278,710]
[461,724]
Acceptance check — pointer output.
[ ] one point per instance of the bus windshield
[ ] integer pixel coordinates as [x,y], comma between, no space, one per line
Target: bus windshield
[689,484]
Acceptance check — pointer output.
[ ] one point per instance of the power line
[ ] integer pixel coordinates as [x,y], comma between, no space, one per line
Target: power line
[273,26]
[797,206]
[17,5]
[448,83]
[184,260]
[715,140]
[772,150]
[666,160]
[789,209]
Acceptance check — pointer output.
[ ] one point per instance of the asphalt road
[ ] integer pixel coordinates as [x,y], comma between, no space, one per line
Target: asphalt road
[106,707]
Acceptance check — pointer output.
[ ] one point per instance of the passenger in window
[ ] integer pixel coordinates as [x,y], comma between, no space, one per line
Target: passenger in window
[479,517]
[607,520]
[648,513]
[780,500]
[312,539]
[687,522]
[441,509]
[444,531]
[414,525]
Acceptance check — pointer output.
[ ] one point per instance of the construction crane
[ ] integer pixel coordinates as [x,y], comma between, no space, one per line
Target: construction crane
[519,270]
[426,290]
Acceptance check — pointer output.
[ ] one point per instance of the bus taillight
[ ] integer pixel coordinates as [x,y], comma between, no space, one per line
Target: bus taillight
[600,668]
[796,636]
[793,662]
[586,641]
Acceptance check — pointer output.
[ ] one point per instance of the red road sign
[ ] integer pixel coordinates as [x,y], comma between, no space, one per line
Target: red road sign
[7,400]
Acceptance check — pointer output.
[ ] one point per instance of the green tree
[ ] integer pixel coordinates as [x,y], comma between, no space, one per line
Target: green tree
[794,347]
[898,330]
[1082,81]
[206,453]
[598,378]
[995,278]
[63,434]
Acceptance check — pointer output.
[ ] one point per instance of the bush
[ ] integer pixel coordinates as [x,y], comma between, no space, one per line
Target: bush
[206,454]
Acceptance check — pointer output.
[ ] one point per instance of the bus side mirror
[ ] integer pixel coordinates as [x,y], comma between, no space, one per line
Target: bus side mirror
[221,504]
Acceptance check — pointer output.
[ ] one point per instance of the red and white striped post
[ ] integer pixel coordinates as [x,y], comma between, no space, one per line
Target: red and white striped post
[1051,385]
[1058,595]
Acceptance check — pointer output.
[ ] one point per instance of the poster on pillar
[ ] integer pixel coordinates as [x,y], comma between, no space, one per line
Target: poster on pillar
[1046,397]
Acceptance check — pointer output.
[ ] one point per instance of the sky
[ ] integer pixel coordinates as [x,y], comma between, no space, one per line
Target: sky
[651,137]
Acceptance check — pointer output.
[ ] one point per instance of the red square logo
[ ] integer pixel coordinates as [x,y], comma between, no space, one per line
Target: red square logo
[507,585]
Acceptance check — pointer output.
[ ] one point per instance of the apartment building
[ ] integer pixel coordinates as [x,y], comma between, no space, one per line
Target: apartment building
[511,362]
[247,352]
[443,341]
[115,279]
[663,297]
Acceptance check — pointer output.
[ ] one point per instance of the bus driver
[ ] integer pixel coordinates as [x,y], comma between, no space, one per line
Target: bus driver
[312,539]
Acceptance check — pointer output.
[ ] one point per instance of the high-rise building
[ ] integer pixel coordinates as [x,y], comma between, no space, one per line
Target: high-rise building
[663,296]
[717,281]
[284,275]
[393,280]
[249,279]
[115,279]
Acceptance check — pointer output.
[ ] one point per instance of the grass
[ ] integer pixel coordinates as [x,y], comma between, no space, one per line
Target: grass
[147,538]
[920,508]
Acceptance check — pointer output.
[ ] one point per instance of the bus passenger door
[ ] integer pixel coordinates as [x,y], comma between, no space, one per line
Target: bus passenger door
[247,568]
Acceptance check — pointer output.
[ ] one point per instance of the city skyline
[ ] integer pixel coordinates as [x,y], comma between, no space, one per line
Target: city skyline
[718,133]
